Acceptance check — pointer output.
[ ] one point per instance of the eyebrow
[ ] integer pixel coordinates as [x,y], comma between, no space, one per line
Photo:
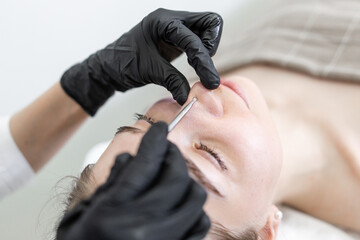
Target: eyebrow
[128,129]
[199,175]
[134,129]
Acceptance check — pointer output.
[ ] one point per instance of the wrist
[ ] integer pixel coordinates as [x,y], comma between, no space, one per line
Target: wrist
[87,85]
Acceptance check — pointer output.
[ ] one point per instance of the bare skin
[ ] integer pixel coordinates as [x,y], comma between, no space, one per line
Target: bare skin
[43,127]
[318,123]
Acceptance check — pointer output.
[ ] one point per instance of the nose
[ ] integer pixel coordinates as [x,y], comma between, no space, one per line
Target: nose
[208,100]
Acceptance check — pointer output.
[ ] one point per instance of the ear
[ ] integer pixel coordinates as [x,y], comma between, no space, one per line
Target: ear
[270,230]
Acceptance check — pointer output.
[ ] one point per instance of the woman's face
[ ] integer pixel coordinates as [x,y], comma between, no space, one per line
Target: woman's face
[230,137]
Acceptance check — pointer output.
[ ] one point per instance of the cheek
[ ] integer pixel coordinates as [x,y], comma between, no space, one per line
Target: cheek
[236,212]
[268,157]
[256,168]
[257,150]
[256,165]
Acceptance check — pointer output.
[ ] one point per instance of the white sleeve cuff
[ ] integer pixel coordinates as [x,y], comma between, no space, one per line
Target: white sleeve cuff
[15,170]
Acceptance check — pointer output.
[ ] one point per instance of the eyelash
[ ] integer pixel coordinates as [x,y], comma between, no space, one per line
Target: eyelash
[139,116]
[213,153]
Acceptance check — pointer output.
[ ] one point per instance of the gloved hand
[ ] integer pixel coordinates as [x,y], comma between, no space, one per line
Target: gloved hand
[142,55]
[146,197]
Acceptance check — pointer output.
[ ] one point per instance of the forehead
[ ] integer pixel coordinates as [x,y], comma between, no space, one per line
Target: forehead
[121,143]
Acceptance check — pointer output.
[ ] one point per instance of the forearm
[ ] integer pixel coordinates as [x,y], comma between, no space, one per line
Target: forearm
[44,126]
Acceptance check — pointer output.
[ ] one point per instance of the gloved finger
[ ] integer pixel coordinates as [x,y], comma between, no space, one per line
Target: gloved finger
[71,219]
[198,55]
[143,169]
[191,210]
[208,26]
[171,187]
[154,144]
[200,228]
[182,218]
[174,81]
[120,164]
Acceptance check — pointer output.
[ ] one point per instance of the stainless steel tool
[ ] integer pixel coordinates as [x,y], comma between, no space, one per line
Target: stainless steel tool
[181,114]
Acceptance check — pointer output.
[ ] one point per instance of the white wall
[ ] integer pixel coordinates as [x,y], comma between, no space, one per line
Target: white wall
[39,39]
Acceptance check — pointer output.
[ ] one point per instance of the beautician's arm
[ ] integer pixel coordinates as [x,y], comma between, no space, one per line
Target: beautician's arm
[139,57]
[43,127]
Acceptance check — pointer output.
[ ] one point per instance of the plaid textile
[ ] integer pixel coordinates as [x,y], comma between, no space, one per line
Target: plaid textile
[319,37]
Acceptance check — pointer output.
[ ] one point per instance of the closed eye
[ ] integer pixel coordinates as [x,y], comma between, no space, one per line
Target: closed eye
[213,153]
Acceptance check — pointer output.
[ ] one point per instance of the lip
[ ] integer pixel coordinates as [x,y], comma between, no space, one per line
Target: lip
[235,87]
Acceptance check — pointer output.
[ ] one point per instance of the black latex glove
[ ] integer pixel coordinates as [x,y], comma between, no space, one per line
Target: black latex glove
[142,56]
[148,197]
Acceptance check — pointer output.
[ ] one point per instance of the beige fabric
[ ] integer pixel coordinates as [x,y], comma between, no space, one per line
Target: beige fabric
[297,225]
[320,37]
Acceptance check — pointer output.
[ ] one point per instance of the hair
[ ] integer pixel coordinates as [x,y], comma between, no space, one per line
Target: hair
[80,188]
[83,188]
[220,232]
